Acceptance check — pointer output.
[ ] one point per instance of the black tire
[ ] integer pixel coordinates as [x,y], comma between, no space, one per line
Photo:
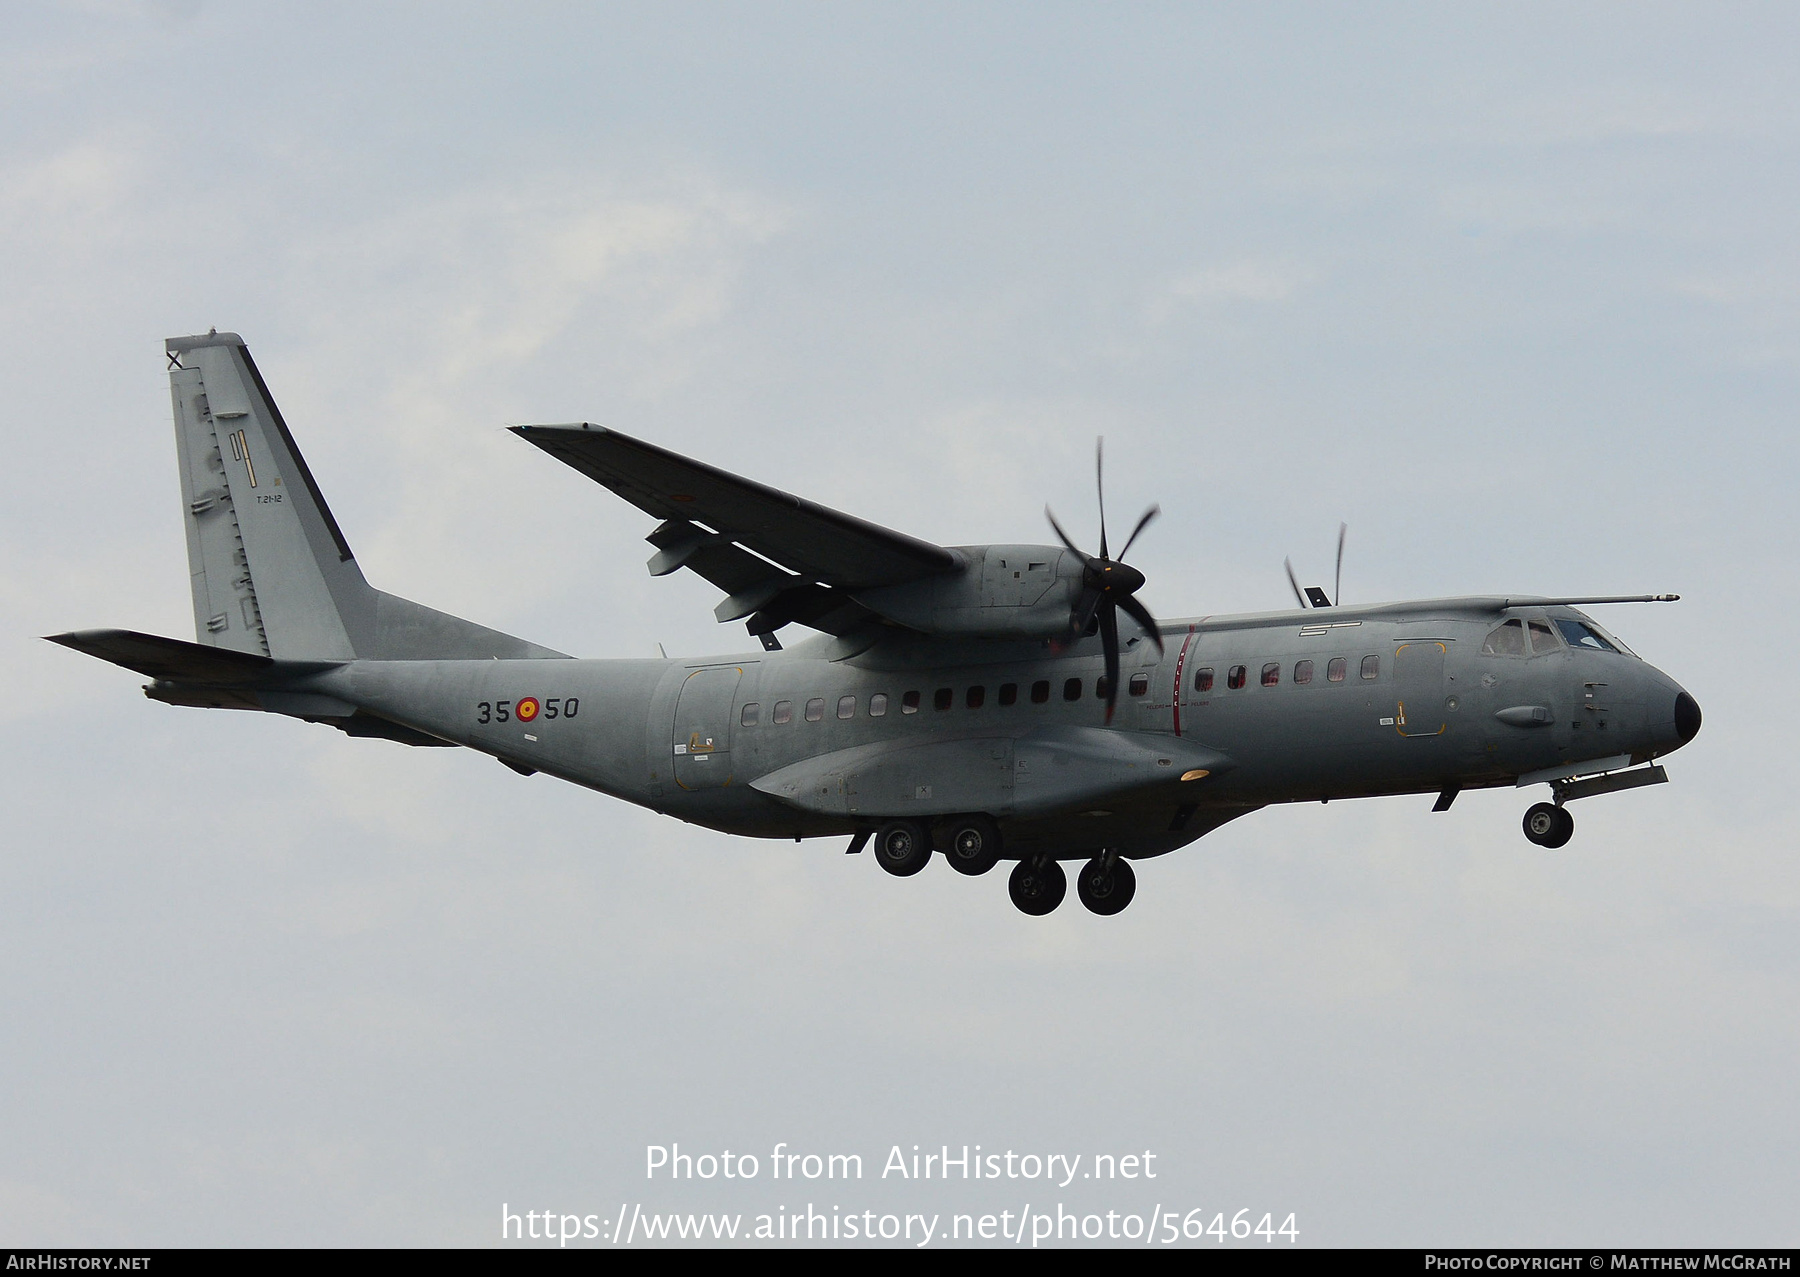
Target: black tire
[1541,823]
[1036,888]
[902,847]
[1565,828]
[971,844]
[1106,891]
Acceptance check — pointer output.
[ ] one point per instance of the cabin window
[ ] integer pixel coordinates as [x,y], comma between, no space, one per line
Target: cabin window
[1009,693]
[1072,690]
[1140,684]
[1101,687]
[1508,640]
[784,712]
[909,703]
[943,698]
[815,709]
[975,697]
[1040,691]
[846,707]
[878,705]
[1203,679]
[1234,678]
[1371,667]
[1582,636]
[1303,671]
[1271,674]
[751,713]
[1543,638]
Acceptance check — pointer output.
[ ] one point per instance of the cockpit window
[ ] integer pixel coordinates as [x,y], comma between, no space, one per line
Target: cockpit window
[1542,638]
[1508,640]
[1582,635]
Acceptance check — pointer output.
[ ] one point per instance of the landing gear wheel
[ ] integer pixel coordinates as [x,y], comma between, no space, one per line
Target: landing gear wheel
[1106,889]
[1037,886]
[1548,825]
[971,844]
[902,847]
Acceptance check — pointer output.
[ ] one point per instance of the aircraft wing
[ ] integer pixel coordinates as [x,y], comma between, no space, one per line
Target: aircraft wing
[734,532]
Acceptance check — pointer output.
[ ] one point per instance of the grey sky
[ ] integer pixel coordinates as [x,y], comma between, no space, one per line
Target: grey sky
[1514,293]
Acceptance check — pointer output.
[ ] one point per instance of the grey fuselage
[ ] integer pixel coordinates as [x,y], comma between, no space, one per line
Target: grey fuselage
[1420,708]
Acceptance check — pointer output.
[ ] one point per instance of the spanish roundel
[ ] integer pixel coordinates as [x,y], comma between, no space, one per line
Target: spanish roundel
[527,709]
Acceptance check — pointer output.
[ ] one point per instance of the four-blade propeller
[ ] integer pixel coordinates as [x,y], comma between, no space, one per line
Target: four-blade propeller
[1107,585]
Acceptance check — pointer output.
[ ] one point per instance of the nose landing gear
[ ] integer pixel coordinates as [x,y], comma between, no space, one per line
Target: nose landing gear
[1548,825]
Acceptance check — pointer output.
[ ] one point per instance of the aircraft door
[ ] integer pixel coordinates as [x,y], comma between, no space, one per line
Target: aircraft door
[703,727]
[1419,687]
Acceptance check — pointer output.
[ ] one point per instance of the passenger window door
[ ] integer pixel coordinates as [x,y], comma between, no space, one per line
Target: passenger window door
[1419,688]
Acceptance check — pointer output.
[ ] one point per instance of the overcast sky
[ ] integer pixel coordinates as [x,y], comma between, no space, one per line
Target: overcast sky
[1514,292]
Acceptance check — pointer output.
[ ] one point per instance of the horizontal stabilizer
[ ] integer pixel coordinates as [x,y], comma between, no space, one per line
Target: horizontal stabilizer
[175,660]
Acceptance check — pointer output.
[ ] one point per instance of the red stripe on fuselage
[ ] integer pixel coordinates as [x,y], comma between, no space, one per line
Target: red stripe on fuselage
[1181,660]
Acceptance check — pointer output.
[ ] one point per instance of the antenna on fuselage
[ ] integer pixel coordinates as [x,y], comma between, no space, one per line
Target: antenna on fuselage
[1315,595]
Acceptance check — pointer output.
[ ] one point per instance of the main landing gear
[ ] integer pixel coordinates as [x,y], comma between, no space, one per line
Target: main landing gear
[1037,886]
[1106,883]
[970,843]
[902,847]
[973,845]
[1548,825]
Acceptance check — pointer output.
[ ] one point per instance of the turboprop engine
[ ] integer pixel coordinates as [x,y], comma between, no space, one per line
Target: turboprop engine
[1003,591]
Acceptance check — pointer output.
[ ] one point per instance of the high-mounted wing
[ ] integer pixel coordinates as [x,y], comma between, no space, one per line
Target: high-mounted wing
[713,520]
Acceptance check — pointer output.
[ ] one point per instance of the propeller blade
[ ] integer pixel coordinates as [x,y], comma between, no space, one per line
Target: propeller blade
[1141,614]
[1142,523]
[1064,536]
[1109,642]
[1084,611]
[1100,487]
[1337,589]
[1298,597]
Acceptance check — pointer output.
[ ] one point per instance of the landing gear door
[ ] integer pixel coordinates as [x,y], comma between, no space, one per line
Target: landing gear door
[1419,687]
[703,727]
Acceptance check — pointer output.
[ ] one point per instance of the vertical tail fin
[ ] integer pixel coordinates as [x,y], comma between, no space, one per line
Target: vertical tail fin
[271,572]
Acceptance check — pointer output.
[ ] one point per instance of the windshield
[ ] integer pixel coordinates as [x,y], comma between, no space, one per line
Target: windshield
[1585,636]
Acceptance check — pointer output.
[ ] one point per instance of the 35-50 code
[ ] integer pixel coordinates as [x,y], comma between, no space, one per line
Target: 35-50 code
[527,709]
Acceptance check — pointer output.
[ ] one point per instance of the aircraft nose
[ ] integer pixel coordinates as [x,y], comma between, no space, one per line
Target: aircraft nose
[1687,717]
[1674,714]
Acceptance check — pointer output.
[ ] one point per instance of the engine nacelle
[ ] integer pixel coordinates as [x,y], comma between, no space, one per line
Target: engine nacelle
[1003,591]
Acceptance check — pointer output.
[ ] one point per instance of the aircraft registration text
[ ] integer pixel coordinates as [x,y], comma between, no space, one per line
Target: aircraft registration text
[527,709]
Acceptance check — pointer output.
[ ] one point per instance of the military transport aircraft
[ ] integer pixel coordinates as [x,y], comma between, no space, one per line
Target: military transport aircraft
[973,700]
